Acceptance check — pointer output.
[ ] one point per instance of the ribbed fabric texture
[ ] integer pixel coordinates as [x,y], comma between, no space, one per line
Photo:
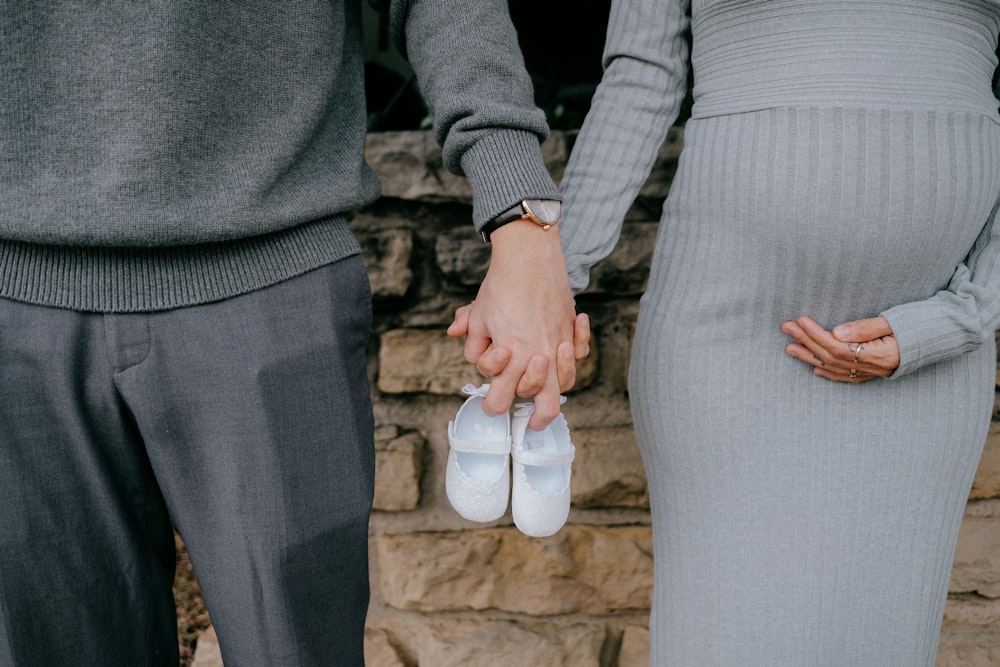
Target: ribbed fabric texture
[156,138]
[799,521]
[124,280]
[902,55]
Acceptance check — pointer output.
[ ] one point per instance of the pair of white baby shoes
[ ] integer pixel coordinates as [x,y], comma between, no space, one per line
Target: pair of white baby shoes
[478,477]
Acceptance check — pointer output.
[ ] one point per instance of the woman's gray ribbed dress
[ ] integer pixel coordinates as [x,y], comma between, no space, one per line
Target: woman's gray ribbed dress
[842,161]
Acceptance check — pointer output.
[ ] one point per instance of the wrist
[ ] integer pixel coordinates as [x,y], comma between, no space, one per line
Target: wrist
[523,238]
[526,252]
[543,213]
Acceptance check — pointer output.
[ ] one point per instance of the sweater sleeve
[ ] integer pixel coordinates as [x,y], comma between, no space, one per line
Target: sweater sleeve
[639,97]
[960,317]
[472,76]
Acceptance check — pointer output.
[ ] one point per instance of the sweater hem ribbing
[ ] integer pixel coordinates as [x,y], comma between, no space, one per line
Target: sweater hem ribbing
[521,174]
[145,279]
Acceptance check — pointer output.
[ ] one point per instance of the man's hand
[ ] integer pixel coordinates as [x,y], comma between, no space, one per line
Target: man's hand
[522,329]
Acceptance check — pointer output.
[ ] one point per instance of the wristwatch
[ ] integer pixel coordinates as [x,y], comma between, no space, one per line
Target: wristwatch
[542,212]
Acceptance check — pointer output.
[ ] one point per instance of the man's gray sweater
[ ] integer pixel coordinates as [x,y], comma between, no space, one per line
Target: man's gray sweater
[159,155]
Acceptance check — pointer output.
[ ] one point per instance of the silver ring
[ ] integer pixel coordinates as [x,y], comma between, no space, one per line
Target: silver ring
[854,373]
[857,351]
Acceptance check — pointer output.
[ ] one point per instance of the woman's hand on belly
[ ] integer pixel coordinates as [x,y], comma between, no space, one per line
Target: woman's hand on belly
[853,352]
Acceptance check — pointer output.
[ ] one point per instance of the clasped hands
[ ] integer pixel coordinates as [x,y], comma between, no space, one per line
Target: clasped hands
[852,352]
[522,331]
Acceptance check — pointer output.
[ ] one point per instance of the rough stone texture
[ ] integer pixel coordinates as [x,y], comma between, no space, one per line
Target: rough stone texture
[977,557]
[387,255]
[379,651]
[587,370]
[463,258]
[987,482]
[398,466]
[962,646]
[624,272]
[431,362]
[410,167]
[593,570]
[415,360]
[635,647]
[607,471]
[988,508]
[658,184]
[970,636]
[498,644]
[972,610]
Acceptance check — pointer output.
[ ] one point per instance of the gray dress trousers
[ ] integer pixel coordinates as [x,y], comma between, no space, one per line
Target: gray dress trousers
[245,423]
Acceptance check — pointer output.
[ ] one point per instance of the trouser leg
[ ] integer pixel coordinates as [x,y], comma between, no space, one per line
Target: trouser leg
[86,551]
[256,414]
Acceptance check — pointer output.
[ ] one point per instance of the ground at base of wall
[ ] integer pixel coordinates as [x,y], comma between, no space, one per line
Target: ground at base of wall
[192,618]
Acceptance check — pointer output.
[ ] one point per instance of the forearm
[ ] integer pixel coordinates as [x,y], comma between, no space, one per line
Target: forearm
[645,81]
[472,76]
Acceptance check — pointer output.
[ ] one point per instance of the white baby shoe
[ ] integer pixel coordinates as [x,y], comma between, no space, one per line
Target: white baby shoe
[477,479]
[541,477]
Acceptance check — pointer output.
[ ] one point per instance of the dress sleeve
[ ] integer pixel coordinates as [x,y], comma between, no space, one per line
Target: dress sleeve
[960,317]
[638,99]
[472,76]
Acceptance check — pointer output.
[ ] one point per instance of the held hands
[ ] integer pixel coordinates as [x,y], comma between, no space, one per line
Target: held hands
[853,352]
[522,330]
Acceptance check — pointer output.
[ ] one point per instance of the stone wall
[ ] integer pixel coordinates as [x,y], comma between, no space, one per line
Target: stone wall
[450,593]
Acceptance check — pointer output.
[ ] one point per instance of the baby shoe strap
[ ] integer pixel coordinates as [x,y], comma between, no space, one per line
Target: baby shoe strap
[488,445]
[530,457]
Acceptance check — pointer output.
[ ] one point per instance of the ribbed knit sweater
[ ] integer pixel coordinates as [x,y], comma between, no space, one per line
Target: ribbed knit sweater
[158,156]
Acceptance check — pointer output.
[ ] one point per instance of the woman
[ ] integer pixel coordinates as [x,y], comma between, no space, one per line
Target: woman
[841,167]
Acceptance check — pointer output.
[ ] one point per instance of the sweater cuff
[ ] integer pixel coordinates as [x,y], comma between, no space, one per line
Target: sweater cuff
[925,335]
[503,168]
[904,324]
[579,278]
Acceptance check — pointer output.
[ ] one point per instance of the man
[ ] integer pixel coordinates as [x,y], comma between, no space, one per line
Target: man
[183,311]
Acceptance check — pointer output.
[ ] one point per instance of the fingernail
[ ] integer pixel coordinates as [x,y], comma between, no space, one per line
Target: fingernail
[842,331]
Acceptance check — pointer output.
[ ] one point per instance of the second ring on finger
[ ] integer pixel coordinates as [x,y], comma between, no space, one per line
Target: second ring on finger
[856,348]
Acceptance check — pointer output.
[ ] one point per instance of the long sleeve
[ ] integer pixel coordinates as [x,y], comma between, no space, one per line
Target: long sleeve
[644,83]
[958,318]
[472,76]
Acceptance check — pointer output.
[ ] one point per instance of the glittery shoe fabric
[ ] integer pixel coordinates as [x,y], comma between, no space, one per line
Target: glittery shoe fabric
[540,497]
[477,478]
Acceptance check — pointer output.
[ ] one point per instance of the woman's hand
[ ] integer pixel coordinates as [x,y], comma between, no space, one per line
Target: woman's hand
[495,359]
[522,329]
[853,352]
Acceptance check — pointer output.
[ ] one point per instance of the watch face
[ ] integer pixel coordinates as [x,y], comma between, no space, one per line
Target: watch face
[543,210]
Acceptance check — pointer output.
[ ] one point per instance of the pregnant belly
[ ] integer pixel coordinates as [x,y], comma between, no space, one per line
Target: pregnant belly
[837,213]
